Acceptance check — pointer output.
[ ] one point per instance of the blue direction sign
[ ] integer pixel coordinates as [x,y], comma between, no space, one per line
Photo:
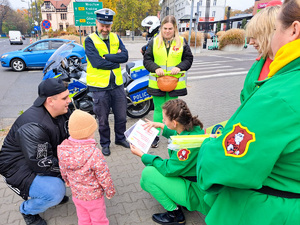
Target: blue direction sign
[46,24]
[37,28]
[84,13]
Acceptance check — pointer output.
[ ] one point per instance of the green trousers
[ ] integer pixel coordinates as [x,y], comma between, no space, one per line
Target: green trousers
[173,191]
[158,104]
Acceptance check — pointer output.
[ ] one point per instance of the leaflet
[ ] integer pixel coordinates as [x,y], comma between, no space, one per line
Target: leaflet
[140,137]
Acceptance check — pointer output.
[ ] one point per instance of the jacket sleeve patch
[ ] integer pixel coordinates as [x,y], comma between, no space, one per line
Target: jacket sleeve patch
[236,142]
[183,154]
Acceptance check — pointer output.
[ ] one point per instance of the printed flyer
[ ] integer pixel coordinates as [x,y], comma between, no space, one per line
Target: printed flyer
[140,137]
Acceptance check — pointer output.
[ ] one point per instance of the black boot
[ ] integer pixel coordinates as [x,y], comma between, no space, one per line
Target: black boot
[175,217]
[34,219]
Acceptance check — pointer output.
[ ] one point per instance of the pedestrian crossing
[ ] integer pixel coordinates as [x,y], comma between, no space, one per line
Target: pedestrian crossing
[219,66]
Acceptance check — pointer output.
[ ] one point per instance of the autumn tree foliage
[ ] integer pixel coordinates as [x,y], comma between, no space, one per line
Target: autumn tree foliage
[132,12]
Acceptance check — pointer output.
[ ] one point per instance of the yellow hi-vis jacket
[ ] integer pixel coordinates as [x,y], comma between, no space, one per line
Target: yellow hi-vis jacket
[99,77]
[167,62]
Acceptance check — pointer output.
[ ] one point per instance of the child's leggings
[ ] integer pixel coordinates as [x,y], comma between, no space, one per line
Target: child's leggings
[91,212]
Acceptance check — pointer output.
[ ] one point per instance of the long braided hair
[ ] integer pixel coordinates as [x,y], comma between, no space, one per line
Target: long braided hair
[178,110]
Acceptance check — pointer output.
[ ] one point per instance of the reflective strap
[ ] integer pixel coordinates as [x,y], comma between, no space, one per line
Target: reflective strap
[155,78]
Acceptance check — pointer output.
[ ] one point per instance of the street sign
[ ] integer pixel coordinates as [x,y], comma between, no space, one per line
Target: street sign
[84,13]
[37,28]
[46,24]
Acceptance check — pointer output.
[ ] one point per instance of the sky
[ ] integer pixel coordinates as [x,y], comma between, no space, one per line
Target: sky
[235,4]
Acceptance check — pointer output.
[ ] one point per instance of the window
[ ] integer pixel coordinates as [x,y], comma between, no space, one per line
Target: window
[49,16]
[213,13]
[41,46]
[61,27]
[215,2]
[56,44]
[200,13]
[63,16]
[200,2]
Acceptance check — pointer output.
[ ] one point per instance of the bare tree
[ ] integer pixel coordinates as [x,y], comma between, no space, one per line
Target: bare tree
[4,12]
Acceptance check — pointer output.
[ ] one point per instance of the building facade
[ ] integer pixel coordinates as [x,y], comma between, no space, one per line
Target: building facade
[259,5]
[60,13]
[181,9]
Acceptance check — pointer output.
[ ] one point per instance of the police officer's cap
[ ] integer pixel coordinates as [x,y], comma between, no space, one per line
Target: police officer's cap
[105,16]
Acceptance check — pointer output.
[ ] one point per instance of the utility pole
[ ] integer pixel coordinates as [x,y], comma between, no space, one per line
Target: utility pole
[38,19]
[206,22]
[196,24]
[132,29]
[191,21]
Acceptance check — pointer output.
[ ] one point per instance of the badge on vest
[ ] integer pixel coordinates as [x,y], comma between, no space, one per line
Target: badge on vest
[183,154]
[175,49]
[236,142]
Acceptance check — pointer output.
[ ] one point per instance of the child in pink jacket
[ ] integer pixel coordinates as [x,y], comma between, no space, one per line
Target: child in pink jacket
[84,169]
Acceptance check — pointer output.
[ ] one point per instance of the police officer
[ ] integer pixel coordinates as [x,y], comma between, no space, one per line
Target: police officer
[105,51]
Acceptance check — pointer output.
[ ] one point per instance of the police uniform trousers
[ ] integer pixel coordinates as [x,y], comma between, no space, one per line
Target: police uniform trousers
[105,100]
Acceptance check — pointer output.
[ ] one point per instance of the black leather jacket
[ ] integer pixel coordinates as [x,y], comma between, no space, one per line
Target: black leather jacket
[30,148]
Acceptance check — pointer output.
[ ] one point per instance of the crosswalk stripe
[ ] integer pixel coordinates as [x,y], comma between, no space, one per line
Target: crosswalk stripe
[218,75]
[214,71]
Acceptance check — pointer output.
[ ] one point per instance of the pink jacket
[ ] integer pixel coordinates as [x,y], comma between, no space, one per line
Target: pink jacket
[84,169]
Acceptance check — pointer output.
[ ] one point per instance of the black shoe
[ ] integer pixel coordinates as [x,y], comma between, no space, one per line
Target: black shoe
[34,219]
[123,143]
[155,142]
[106,150]
[64,200]
[175,217]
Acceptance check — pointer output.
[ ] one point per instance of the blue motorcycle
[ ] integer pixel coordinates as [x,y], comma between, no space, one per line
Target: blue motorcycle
[71,70]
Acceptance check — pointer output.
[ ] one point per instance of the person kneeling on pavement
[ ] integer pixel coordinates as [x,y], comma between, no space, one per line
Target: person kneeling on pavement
[172,182]
[28,157]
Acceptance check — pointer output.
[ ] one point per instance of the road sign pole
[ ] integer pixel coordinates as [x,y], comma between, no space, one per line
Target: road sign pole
[80,34]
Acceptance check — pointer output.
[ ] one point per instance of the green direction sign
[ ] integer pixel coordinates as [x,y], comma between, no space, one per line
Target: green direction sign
[84,13]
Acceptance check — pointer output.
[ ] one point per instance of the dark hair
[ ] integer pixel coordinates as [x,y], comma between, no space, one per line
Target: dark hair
[178,110]
[290,12]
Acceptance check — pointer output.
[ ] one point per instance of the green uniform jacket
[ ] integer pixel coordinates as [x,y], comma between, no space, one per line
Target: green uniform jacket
[177,164]
[260,146]
[251,78]
[181,165]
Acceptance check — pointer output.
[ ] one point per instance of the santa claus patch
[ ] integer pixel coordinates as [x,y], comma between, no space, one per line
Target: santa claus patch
[183,154]
[236,142]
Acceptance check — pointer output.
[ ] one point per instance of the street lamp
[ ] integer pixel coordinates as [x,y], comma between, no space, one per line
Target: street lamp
[37,16]
[29,21]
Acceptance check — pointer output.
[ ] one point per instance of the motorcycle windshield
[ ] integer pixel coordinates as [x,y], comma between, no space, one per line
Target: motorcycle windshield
[58,56]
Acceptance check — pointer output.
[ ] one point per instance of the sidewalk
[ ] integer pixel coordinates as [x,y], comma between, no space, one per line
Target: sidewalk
[131,205]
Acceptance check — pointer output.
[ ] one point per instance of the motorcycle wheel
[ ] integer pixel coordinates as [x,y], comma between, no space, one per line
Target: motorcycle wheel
[139,110]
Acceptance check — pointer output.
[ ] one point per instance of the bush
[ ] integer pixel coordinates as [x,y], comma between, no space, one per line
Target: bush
[232,36]
[220,33]
[199,38]
[72,30]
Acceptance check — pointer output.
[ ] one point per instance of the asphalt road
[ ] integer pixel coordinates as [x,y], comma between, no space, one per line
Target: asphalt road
[219,74]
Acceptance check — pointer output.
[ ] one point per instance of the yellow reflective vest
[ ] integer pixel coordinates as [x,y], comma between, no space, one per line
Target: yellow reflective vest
[99,77]
[167,62]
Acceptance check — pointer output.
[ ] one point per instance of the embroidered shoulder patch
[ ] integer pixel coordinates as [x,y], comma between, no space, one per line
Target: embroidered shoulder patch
[183,154]
[236,142]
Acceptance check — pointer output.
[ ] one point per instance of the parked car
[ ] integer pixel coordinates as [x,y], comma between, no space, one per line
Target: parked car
[38,53]
[15,37]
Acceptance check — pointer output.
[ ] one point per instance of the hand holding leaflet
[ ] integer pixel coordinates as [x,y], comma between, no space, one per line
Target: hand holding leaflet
[140,137]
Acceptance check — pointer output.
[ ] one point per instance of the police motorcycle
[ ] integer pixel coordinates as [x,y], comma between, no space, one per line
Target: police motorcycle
[72,71]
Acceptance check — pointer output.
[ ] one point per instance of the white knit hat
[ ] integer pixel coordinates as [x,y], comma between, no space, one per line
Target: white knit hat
[81,124]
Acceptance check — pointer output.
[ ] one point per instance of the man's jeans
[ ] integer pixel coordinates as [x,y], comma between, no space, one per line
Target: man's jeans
[44,192]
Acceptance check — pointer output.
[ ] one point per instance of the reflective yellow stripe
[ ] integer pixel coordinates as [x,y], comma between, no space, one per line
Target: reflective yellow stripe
[168,61]
[99,77]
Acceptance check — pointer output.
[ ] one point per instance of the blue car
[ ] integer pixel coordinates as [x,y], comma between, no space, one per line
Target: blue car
[38,53]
